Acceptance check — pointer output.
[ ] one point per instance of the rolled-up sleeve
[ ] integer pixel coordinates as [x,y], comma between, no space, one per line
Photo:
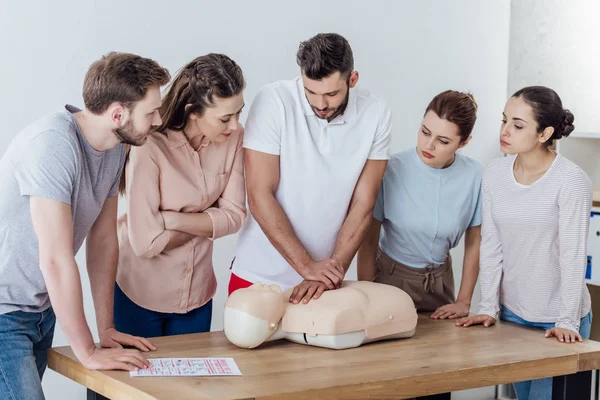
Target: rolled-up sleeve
[230,210]
[146,226]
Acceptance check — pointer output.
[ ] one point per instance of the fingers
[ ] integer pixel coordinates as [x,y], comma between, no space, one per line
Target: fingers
[457,315]
[309,293]
[443,312]
[476,320]
[446,314]
[323,278]
[148,344]
[136,362]
[294,293]
[302,288]
[339,267]
[119,365]
[320,290]
[439,311]
[128,340]
[112,344]
[564,335]
[334,278]
[572,337]
[133,341]
[449,311]
[138,356]
[338,270]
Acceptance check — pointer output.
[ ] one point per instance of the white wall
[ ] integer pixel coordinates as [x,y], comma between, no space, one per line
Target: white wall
[551,52]
[406,51]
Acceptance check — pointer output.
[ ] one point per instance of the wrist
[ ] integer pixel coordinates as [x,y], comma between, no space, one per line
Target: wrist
[303,266]
[337,259]
[466,302]
[84,351]
[104,329]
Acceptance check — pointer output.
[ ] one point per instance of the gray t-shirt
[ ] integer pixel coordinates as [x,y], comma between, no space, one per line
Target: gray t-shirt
[51,159]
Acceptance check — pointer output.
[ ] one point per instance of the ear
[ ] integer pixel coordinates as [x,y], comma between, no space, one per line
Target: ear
[546,134]
[118,113]
[353,79]
[192,116]
[465,142]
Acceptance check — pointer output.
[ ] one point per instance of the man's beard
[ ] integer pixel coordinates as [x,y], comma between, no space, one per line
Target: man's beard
[127,135]
[338,111]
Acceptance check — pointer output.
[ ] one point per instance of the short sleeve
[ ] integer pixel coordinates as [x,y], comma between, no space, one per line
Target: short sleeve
[382,143]
[264,123]
[49,168]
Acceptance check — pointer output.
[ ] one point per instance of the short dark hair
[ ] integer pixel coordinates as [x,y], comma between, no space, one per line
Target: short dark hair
[120,77]
[456,107]
[548,111]
[325,54]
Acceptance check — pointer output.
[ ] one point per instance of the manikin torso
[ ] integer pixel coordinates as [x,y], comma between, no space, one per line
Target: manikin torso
[357,313]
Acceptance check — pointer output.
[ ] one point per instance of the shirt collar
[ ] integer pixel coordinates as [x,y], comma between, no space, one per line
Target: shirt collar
[178,139]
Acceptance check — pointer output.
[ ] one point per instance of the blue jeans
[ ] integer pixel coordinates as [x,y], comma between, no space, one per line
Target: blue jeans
[25,338]
[540,389]
[138,321]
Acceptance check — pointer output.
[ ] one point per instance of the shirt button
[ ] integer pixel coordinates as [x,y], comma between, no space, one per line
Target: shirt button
[188,270]
[190,250]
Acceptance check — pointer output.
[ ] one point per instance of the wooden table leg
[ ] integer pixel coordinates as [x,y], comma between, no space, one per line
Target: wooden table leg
[91,395]
[575,386]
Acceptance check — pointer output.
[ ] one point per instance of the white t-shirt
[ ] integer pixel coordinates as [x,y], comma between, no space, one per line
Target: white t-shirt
[320,164]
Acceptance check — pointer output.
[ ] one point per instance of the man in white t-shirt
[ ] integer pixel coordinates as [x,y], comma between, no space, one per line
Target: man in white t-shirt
[316,151]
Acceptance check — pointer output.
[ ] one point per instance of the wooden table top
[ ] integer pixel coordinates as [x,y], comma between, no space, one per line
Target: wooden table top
[439,358]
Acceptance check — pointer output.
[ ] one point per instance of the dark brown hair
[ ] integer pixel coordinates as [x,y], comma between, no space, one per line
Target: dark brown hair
[456,107]
[120,77]
[194,88]
[548,111]
[325,54]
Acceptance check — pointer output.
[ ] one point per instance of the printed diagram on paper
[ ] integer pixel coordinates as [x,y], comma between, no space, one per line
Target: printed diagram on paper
[190,367]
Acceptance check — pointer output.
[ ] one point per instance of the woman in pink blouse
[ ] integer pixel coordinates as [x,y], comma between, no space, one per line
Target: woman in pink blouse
[184,189]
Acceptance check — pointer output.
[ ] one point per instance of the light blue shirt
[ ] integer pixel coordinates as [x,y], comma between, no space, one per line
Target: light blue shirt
[425,211]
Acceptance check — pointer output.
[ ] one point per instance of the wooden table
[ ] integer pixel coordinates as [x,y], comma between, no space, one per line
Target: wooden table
[440,358]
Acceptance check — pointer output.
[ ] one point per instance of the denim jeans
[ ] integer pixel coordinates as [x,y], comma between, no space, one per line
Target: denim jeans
[138,321]
[540,389]
[25,338]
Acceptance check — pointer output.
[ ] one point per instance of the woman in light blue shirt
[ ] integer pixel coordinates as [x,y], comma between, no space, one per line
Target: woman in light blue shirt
[429,198]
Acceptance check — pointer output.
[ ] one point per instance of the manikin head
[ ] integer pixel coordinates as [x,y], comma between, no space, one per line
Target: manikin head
[252,314]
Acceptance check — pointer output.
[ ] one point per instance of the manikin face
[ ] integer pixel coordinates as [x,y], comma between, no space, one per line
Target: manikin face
[252,314]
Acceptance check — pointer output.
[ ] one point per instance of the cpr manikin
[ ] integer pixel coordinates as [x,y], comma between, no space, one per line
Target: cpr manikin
[357,313]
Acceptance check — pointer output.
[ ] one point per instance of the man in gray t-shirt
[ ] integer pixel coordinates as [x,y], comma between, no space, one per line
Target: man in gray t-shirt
[59,180]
